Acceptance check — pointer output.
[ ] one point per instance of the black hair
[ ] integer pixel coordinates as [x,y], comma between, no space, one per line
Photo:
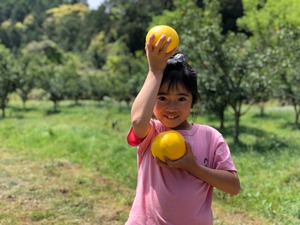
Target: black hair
[180,72]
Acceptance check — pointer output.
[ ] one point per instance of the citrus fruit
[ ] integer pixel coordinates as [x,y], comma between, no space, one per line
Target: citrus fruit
[170,144]
[158,31]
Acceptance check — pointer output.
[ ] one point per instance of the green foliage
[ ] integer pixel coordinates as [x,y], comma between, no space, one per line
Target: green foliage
[97,88]
[25,75]
[276,25]
[46,48]
[263,16]
[118,72]
[25,18]
[98,50]
[287,52]
[7,77]
[74,87]
[64,26]
[130,19]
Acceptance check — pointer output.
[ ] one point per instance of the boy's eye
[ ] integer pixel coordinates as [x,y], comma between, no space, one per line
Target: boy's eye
[182,99]
[162,98]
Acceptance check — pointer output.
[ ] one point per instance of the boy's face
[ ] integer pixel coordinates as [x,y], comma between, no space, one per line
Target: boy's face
[172,107]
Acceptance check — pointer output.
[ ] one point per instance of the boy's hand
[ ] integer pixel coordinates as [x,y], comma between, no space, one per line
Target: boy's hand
[156,55]
[186,162]
[227,181]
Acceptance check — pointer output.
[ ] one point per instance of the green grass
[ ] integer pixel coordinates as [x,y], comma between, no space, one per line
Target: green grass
[93,135]
[268,160]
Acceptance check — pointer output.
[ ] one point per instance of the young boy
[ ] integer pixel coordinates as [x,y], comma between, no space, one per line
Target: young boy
[175,192]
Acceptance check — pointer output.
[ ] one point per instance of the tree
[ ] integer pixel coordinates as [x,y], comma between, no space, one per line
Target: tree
[130,18]
[50,75]
[275,27]
[7,77]
[230,10]
[287,52]
[118,72]
[46,48]
[21,20]
[75,88]
[98,50]
[138,72]
[11,35]
[97,87]
[244,81]
[25,75]
[64,24]
[229,73]
[53,82]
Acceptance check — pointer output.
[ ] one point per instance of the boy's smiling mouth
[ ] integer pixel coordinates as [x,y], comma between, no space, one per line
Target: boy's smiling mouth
[170,117]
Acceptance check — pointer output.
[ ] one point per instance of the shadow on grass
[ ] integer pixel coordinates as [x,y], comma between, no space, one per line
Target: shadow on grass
[13,112]
[15,109]
[268,116]
[262,141]
[20,109]
[291,126]
[75,105]
[51,112]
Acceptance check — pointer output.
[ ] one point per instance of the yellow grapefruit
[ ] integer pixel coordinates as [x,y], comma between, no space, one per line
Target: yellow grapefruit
[158,31]
[170,144]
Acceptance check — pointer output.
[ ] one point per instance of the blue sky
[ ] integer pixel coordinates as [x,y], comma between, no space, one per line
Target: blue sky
[93,4]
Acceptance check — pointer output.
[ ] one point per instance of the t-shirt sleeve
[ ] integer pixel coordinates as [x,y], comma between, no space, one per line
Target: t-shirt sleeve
[144,144]
[132,139]
[222,157]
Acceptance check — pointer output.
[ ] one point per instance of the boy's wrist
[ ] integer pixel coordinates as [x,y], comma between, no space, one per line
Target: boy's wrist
[193,168]
[156,73]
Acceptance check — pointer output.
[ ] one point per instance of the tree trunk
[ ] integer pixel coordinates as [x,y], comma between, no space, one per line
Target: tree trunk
[262,108]
[297,111]
[3,109]
[236,127]
[55,105]
[222,119]
[3,112]
[24,105]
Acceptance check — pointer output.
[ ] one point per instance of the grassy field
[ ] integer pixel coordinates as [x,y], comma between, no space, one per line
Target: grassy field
[92,135]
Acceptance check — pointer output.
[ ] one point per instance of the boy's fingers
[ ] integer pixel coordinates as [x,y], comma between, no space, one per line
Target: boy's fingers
[160,163]
[160,42]
[166,45]
[148,44]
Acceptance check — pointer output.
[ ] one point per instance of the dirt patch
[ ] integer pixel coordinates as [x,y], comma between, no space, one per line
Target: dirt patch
[226,216]
[55,191]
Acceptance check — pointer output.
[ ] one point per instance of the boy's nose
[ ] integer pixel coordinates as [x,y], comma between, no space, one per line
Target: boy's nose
[172,106]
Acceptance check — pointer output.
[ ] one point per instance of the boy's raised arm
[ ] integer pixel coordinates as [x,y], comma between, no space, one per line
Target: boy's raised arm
[142,108]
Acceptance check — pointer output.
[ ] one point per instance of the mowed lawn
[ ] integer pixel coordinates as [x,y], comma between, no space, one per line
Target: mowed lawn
[92,136]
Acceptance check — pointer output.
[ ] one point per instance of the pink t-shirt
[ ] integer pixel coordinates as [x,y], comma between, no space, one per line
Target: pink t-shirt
[173,196]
